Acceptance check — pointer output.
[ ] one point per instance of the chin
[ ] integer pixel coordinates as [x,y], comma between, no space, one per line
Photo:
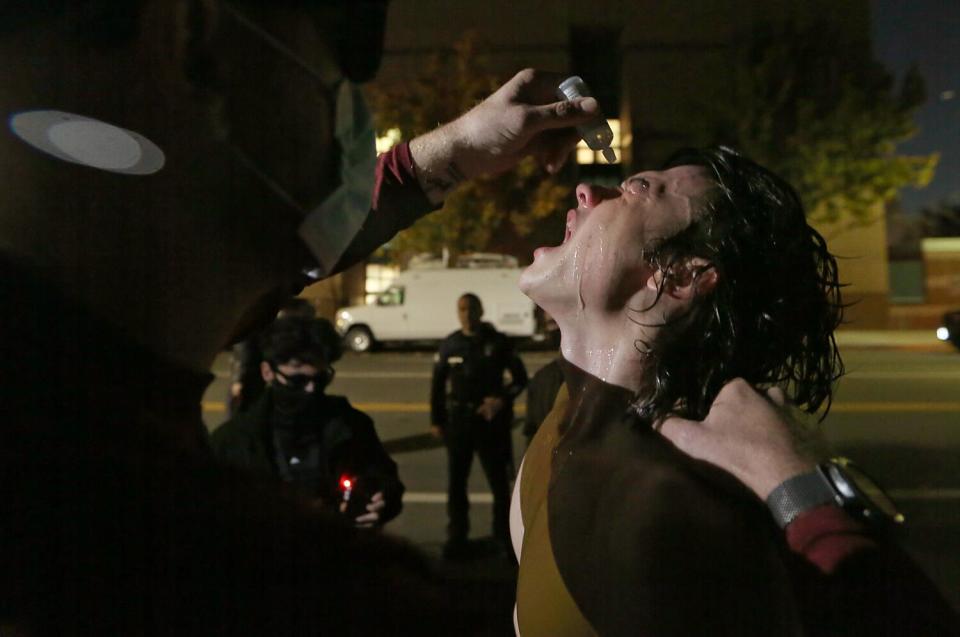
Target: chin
[531,280]
[543,286]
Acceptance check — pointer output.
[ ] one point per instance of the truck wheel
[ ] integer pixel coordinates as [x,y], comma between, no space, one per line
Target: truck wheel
[359,339]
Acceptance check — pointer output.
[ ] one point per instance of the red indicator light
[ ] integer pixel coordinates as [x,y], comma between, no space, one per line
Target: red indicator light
[346,483]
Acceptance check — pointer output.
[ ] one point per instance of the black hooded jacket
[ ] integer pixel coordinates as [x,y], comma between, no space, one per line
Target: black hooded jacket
[344,443]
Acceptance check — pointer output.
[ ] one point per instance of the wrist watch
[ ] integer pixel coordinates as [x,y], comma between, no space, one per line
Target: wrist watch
[839,482]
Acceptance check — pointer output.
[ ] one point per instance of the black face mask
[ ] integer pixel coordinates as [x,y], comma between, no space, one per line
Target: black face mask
[291,402]
[291,406]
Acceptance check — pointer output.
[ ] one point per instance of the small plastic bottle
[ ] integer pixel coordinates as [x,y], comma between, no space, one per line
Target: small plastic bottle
[596,133]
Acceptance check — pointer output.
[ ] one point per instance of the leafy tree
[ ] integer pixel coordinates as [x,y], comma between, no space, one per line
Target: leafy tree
[826,116]
[484,209]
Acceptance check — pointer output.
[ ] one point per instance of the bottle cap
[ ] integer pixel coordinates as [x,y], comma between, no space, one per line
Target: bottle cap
[572,88]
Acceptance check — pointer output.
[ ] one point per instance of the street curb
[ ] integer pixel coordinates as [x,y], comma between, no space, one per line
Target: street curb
[933,348]
[897,340]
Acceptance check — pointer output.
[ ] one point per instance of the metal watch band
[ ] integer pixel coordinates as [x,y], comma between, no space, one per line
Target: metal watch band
[798,494]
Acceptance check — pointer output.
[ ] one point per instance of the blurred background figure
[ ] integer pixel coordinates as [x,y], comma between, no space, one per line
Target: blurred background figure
[246,381]
[317,442]
[473,414]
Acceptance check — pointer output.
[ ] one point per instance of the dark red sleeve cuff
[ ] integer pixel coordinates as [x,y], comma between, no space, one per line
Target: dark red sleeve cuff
[396,185]
[827,535]
[397,202]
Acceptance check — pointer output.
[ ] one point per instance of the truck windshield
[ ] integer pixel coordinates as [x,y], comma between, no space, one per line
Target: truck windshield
[393,296]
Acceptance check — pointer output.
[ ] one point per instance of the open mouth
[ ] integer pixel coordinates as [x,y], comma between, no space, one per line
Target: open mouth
[567,233]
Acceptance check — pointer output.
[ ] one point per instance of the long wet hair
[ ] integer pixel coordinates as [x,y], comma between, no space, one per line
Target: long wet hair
[770,317]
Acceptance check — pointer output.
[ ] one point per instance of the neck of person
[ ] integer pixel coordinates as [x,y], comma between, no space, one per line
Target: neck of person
[609,347]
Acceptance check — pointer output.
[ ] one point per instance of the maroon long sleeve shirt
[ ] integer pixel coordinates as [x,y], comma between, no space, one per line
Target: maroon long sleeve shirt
[852,583]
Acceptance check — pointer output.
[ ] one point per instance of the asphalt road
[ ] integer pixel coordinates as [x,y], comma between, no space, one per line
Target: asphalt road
[897,413]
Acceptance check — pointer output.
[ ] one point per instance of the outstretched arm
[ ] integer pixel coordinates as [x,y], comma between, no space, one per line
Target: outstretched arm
[521,119]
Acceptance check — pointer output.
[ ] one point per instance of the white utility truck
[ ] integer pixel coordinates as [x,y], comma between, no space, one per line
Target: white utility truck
[421,305]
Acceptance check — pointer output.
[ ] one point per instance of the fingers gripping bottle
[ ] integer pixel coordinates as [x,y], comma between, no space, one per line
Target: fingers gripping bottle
[596,133]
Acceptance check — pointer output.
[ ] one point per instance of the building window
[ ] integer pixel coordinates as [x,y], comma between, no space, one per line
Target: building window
[587,156]
[379,278]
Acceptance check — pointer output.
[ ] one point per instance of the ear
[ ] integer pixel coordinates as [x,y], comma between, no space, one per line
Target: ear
[686,280]
[266,372]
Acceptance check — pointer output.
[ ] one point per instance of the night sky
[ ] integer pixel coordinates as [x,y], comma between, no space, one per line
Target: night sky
[927,33]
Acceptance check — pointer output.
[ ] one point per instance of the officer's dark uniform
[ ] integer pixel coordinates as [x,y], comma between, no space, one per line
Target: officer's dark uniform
[474,367]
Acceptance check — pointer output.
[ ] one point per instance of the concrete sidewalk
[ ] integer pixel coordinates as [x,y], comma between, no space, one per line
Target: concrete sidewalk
[911,340]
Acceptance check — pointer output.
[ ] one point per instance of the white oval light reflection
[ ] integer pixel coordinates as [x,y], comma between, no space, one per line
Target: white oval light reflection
[88,142]
[96,144]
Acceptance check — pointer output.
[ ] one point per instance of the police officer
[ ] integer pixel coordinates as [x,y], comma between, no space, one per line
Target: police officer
[471,410]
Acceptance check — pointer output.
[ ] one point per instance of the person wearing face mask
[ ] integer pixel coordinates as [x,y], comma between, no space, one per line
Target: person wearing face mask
[246,380]
[312,440]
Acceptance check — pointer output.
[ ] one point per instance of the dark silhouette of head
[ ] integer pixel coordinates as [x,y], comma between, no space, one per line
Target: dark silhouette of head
[307,340]
[469,312]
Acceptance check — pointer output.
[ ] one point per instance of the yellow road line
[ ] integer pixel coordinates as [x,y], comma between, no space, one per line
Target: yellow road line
[521,408]
[887,407]
[397,408]
[485,497]
[924,494]
[212,406]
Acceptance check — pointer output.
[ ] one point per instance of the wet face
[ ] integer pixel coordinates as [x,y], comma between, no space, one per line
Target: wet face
[601,267]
